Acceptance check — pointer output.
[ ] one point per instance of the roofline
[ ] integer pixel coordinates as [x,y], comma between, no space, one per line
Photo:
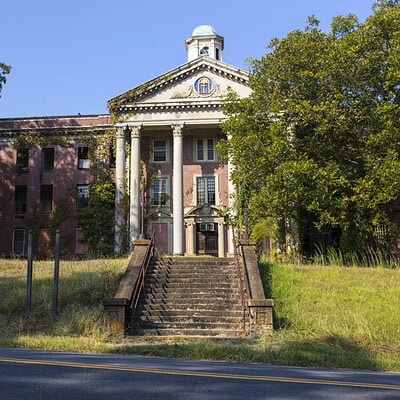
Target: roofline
[157,80]
[50,117]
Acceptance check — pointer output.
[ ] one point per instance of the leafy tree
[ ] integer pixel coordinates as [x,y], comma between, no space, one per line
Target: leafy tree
[4,70]
[318,140]
[97,217]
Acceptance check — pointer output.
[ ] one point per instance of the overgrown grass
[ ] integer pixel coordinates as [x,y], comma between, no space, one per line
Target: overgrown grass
[324,316]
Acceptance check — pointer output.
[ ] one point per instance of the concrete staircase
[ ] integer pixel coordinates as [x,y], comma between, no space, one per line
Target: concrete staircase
[192,296]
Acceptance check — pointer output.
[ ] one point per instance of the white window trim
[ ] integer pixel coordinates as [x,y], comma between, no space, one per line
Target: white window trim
[205,149]
[166,151]
[168,192]
[217,197]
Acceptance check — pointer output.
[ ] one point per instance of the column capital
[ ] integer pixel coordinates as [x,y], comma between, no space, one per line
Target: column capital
[121,132]
[177,128]
[136,129]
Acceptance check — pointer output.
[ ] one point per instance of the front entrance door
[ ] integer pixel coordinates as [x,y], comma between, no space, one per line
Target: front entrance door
[207,238]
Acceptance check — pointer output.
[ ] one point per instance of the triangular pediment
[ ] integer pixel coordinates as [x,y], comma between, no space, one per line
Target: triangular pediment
[203,81]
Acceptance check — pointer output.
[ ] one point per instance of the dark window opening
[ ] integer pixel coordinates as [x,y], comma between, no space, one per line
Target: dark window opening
[83,158]
[82,194]
[48,159]
[46,198]
[20,199]
[22,160]
[18,243]
[160,151]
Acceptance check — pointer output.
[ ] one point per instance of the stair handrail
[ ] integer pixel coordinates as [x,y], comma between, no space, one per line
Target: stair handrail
[241,284]
[142,274]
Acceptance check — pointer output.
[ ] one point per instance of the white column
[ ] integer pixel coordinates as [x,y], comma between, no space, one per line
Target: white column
[119,185]
[221,239]
[232,193]
[134,209]
[177,193]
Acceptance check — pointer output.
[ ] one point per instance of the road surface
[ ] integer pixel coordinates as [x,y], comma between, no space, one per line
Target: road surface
[38,375]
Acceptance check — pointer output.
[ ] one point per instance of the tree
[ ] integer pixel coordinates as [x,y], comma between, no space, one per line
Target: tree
[4,70]
[318,140]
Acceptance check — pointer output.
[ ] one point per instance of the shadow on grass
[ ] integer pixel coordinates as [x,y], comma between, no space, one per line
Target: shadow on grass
[279,321]
[327,352]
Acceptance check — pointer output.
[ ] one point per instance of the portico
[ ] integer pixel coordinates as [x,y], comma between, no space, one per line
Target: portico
[166,160]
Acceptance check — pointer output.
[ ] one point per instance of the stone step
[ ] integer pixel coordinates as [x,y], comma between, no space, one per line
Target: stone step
[191,272]
[192,296]
[196,260]
[227,301]
[190,319]
[149,312]
[225,306]
[217,333]
[190,325]
[191,285]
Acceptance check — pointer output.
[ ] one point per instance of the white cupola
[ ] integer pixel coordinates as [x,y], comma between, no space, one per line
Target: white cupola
[205,42]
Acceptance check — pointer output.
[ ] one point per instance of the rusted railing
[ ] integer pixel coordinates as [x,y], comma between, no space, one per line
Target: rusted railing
[241,284]
[141,276]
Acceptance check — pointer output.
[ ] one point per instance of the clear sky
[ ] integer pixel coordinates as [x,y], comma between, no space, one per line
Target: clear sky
[70,57]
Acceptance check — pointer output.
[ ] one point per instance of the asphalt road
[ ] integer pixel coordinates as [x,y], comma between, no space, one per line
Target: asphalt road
[38,375]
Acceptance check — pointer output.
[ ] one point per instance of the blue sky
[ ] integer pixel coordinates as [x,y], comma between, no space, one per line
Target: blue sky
[70,57]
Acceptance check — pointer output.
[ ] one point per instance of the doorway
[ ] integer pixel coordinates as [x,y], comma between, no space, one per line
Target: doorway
[207,238]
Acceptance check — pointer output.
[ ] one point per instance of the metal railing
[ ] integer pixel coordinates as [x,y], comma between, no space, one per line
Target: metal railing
[139,284]
[241,284]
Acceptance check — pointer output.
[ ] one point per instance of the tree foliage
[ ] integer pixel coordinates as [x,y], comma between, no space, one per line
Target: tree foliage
[97,217]
[4,70]
[318,140]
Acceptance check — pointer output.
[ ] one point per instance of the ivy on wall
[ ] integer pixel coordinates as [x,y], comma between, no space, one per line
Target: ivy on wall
[97,216]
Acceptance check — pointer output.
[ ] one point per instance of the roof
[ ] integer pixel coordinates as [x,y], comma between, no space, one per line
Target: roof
[55,122]
[204,30]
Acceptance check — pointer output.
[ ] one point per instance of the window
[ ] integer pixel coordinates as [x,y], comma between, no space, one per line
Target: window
[205,191]
[18,242]
[82,194]
[159,151]
[48,159]
[204,51]
[83,158]
[217,53]
[204,86]
[205,150]
[22,160]
[46,198]
[20,199]
[160,192]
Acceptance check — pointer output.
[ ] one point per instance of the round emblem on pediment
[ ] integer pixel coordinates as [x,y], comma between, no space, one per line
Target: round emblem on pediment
[204,86]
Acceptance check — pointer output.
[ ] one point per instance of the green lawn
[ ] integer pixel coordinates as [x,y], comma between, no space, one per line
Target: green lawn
[324,316]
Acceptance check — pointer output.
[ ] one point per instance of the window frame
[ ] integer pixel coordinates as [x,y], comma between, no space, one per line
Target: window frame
[22,160]
[44,191]
[158,151]
[166,192]
[80,199]
[83,162]
[205,149]
[207,192]
[23,230]
[17,201]
[48,152]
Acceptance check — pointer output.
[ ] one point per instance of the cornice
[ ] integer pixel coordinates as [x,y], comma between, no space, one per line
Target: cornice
[204,63]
